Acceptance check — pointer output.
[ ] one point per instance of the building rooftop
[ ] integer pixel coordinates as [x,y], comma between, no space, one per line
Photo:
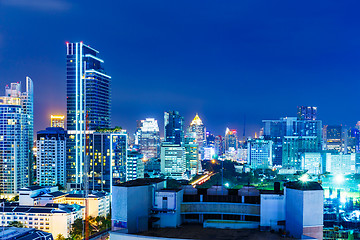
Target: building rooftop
[140,182]
[10,233]
[305,186]
[31,188]
[53,194]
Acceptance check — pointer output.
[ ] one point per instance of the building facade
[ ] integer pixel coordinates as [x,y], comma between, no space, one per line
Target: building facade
[173,127]
[173,160]
[259,153]
[147,136]
[51,157]
[57,121]
[88,103]
[134,165]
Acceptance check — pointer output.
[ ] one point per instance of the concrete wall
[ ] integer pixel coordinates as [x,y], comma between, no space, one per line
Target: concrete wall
[220,208]
[230,224]
[124,236]
[272,209]
[294,212]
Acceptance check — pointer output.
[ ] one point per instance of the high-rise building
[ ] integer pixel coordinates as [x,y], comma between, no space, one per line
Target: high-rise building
[352,144]
[334,138]
[277,130]
[219,145]
[51,157]
[210,139]
[306,113]
[16,137]
[231,139]
[147,136]
[57,121]
[312,162]
[174,127]
[107,159]
[88,103]
[173,161]
[198,129]
[191,154]
[259,153]
[134,165]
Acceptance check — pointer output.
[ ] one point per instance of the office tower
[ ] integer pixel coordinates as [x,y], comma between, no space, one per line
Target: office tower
[352,143]
[16,113]
[210,139]
[198,129]
[147,136]
[277,130]
[334,138]
[173,161]
[259,153]
[311,162]
[134,165]
[51,157]
[294,146]
[231,139]
[88,102]
[57,121]
[306,113]
[338,163]
[209,153]
[107,158]
[191,154]
[219,145]
[174,127]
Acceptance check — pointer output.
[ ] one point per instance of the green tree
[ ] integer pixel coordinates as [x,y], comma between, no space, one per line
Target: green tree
[15,199]
[16,224]
[76,231]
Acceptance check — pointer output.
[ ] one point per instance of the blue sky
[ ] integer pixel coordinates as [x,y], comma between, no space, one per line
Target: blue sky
[221,59]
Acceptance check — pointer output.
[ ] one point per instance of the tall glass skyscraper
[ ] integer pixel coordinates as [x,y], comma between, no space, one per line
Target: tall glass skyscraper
[88,103]
[16,137]
[174,127]
[147,136]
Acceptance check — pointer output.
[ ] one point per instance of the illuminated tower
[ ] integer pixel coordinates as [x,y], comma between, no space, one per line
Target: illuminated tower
[57,121]
[231,140]
[88,102]
[174,127]
[16,138]
[147,136]
[198,129]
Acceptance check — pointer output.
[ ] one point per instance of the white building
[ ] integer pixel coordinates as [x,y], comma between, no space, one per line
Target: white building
[51,157]
[340,163]
[259,153]
[147,136]
[134,165]
[173,160]
[209,153]
[312,162]
[304,210]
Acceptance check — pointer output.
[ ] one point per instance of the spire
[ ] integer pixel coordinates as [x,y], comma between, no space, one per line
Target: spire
[196,120]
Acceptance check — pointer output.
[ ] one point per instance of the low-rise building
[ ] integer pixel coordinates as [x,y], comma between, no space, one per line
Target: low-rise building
[53,218]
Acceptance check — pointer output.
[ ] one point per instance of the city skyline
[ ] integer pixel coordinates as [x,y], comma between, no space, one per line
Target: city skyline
[311,61]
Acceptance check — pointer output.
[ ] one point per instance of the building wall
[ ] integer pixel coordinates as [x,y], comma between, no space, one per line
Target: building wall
[272,210]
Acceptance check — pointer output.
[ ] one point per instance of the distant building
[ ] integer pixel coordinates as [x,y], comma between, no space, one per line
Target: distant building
[147,136]
[352,143]
[219,145]
[16,137]
[259,153]
[209,153]
[51,157]
[340,163]
[174,127]
[192,154]
[210,139]
[334,138]
[231,139]
[294,146]
[134,165]
[312,162]
[173,160]
[198,129]
[306,113]
[57,121]
[304,210]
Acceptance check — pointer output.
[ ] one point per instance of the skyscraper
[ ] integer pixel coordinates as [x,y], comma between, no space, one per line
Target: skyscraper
[51,157]
[174,127]
[231,139]
[16,115]
[88,102]
[198,129]
[306,113]
[147,136]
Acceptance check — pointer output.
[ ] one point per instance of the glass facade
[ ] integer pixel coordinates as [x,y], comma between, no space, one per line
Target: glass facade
[174,127]
[88,103]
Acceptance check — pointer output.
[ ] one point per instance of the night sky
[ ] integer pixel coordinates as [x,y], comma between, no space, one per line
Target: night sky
[221,59]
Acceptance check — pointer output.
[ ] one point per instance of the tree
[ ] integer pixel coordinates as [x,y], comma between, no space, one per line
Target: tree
[15,199]
[60,237]
[76,231]
[16,224]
